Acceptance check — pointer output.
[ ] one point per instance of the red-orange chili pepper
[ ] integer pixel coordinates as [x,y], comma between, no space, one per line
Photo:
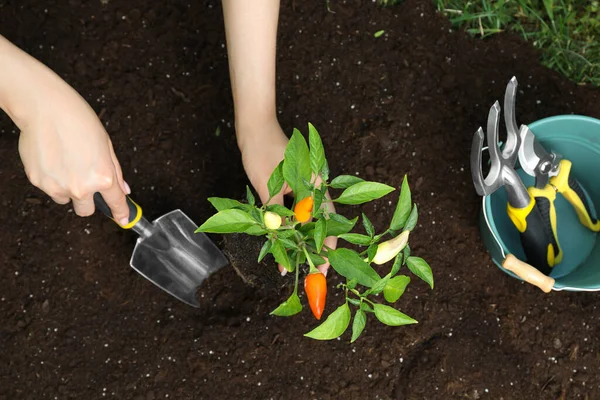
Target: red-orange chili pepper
[303,209]
[315,286]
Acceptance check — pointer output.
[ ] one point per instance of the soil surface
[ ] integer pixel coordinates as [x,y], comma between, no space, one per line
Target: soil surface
[79,323]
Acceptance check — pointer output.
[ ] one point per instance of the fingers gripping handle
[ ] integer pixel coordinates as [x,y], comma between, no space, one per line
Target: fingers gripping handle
[528,273]
[135,211]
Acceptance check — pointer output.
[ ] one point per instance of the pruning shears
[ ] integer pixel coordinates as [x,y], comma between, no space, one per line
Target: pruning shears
[552,175]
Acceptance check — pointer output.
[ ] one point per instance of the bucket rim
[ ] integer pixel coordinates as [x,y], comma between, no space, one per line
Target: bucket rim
[491,226]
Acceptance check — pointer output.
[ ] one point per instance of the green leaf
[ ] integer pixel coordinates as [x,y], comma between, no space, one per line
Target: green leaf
[406,252]
[225,204]
[548,4]
[392,317]
[255,230]
[296,164]
[250,196]
[402,208]
[318,200]
[352,301]
[420,268]
[366,307]
[288,243]
[316,259]
[360,320]
[266,249]
[276,181]
[320,232]
[338,225]
[411,222]
[349,264]
[397,264]
[379,33]
[378,287]
[369,228]
[255,213]
[307,229]
[356,238]
[281,210]
[372,251]
[227,221]
[286,233]
[334,326]
[307,185]
[377,238]
[395,288]
[281,255]
[301,257]
[325,172]
[363,192]
[351,284]
[317,153]
[345,181]
[289,307]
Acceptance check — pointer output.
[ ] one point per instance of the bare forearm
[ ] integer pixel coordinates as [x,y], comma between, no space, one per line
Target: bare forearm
[20,77]
[251,32]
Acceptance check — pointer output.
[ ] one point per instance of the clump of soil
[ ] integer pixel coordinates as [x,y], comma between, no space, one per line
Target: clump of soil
[242,251]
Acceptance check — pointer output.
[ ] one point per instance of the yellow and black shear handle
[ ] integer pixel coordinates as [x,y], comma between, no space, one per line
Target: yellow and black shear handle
[539,242]
[544,200]
[568,186]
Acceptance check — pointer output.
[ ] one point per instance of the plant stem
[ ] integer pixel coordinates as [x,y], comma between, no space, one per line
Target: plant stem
[297,270]
[313,269]
[286,227]
[367,300]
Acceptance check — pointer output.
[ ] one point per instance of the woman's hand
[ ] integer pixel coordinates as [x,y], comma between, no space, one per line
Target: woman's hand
[64,148]
[263,147]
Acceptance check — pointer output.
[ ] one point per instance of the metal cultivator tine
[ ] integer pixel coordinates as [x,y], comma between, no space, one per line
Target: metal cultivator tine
[513,139]
[500,160]
[493,180]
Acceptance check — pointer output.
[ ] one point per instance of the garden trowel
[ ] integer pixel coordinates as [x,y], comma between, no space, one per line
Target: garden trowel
[168,253]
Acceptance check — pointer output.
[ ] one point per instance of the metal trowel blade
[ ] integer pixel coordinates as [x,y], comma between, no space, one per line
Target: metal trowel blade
[169,254]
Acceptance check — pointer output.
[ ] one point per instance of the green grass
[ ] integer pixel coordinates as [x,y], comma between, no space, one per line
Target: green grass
[566,31]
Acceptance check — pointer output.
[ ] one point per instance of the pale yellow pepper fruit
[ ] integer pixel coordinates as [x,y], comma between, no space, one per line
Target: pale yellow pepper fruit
[272,220]
[387,250]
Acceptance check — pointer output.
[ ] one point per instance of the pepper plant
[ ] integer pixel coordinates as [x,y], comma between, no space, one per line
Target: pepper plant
[295,238]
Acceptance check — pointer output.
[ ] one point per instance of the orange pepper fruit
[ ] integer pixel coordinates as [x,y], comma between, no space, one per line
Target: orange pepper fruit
[315,286]
[303,209]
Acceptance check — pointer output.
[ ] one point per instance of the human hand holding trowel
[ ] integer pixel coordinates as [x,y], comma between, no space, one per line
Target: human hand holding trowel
[68,154]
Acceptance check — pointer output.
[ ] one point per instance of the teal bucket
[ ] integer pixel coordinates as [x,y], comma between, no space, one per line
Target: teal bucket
[577,139]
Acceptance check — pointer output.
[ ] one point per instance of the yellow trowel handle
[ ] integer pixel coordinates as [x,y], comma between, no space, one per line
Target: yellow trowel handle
[135,211]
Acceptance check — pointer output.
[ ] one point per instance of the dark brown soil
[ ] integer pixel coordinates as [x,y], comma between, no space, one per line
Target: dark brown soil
[79,323]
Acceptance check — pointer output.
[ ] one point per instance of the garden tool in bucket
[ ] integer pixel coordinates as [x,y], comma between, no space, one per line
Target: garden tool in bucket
[168,253]
[557,155]
[537,241]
